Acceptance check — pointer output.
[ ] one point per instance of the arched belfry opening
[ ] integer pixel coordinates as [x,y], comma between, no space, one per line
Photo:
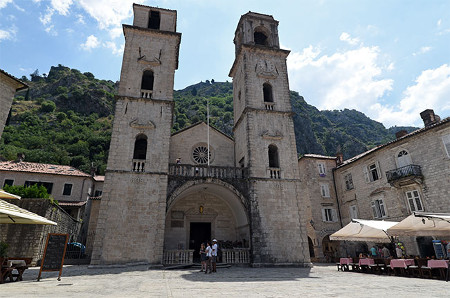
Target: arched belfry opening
[260,38]
[140,147]
[267,92]
[274,161]
[147,80]
[154,20]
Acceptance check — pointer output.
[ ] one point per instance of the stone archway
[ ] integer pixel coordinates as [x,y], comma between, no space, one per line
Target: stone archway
[212,207]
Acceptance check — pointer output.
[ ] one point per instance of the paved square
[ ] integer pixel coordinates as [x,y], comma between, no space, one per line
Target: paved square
[319,281]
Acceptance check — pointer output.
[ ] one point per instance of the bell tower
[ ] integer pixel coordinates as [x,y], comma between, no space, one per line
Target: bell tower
[265,143]
[131,220]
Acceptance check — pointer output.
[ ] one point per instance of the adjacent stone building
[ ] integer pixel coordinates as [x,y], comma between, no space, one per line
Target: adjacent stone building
[165,194]
[9,85]
[389,182]
[317,184]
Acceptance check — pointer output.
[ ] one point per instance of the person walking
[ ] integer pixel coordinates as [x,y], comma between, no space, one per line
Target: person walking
[203,256]
[386,253]
[373,251]
[208,257]
[214,255]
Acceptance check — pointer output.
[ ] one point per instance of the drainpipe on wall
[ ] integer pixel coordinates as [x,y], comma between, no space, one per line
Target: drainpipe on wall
[337,198]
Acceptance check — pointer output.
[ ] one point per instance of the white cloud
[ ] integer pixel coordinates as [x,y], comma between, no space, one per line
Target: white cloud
[346,37]
[91,43]
[109,14]
[8,34]
[422,50]
[61,6]
[349,79]
[80,19]
[430,91]
[3,3]
[115,50]
[47,17]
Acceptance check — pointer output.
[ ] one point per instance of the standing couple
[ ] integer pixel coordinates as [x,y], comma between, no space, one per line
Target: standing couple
[208,256]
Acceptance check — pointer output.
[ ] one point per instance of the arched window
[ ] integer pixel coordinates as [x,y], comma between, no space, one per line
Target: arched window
[274,162]
[154,20]
[260,38]
[147,80]
[403,159]
[267,91]
[140,147]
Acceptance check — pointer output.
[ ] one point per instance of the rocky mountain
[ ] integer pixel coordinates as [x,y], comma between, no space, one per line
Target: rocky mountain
[66,118]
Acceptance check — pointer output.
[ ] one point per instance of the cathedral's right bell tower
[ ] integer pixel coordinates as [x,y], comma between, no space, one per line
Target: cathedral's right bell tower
[265,143]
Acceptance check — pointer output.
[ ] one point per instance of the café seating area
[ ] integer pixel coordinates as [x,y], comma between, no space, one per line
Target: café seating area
[419,268]
[12,269]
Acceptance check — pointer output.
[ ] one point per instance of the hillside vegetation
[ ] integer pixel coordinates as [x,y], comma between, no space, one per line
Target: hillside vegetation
[66,118]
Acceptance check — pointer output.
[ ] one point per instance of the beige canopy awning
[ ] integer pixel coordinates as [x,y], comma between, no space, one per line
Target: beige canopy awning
[7,195]
[12,214]
[364,230]
[423,224]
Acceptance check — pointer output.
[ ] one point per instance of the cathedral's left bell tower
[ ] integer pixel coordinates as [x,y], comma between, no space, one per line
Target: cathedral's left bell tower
[130,225]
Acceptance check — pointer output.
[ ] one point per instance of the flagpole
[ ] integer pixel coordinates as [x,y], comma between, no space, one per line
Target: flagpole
[207,129]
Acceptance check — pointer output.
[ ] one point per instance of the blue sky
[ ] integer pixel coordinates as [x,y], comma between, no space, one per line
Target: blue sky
[388,59]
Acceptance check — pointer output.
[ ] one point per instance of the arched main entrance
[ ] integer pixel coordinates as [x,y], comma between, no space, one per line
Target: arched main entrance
[199,211]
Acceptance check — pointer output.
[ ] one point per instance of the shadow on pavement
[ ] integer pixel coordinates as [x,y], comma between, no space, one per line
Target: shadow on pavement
[238,274]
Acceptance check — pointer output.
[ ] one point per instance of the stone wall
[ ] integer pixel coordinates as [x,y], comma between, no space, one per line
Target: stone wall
[29,240]
[183,143]
[7,91]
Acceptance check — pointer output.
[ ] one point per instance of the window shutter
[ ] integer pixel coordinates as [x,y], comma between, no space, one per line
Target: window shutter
[324,218]
[374,209]
[378,169]
[366,174]
[382,210]
[334,215]
[446,140]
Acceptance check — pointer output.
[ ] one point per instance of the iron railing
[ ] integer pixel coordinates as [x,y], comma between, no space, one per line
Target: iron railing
[406,171]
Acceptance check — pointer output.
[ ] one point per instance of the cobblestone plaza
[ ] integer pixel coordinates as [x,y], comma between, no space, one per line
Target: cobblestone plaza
[320,281]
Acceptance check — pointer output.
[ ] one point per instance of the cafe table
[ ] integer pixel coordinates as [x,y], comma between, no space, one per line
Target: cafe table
[366,262]
[401,263]
[441,265]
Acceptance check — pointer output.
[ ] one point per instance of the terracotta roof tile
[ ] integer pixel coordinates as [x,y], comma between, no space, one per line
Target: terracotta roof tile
[99,178]
[32,167]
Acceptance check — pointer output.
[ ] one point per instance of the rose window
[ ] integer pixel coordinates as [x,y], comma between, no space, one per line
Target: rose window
[200,155]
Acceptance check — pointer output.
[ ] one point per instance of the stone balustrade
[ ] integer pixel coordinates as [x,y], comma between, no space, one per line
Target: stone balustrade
[146,93]
[178,256]
[138,165]
[236,256]
[274,173]
[201,171]
[269,105]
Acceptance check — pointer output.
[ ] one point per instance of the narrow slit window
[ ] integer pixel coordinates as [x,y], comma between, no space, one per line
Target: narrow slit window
[267,91]
[147,80]
[140,147]
[273,157]
[154,20]
[260,38]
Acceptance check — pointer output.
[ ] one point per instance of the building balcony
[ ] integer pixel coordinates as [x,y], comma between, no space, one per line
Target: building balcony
[204,171]
[138,165]
[146,93]
[405,175]
[274,173]
[269,105]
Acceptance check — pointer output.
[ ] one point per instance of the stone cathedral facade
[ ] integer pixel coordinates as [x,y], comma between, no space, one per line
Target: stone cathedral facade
[166,193]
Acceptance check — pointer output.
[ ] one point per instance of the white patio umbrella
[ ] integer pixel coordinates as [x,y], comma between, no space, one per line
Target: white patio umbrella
[365,230]
[7,195]
[12,214]
[423,224]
